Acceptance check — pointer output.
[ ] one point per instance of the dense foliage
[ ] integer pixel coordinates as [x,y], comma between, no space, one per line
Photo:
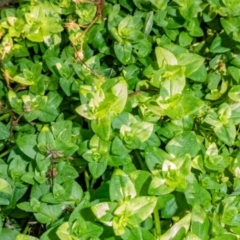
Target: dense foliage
[120,120]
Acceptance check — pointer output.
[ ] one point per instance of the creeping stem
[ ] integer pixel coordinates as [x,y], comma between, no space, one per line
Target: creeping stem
[157,222]
[139,158]
[87,178]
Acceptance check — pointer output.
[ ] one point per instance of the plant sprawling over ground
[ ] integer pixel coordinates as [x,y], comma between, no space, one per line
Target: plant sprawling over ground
[120,120]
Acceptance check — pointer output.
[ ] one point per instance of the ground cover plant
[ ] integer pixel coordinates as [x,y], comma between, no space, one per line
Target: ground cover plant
[120,119]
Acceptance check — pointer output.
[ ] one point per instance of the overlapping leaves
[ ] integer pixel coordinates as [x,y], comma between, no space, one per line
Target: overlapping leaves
[121,122]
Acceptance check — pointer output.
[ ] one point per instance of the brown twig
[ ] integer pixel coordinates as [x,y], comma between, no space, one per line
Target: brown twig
[99,5]
[135,93]
[7,4]
[7,78]
[79,54]
[5,75]
[54,157]
[14,122]
[139,92]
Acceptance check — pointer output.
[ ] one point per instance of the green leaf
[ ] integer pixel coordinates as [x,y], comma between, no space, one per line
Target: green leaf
[170,206]
[199,75]
[126,4]
[62,130]
[191,61]
[73,191]
[195,194]
[231,214]
[148,23]
[131,35]
[235,73]
[121,187]
[66,85]
[217,162]
[200,223]
[104,211]
[141,180]
[22,80]
[142,48]
[154,157]
[25,237]
[48,213]
[234,93]
[86,229]
[142,130]
[17,168]
[63,232]
[48,113]
[136,210]
[178,230]
[116,115]
[120,91]
[15,102]
[5,133]
[225,237]
[86,13]
[8,234]
[185,39]
[121,119]
[1,223]
[66,172]
[5,187]
[182,144]
[231,25]
[226,133]
[165,57]
[118,148]
[159,186]
[221,44]
[97,168]
[25,206]
[27,144]
[20,50]
[236,61]
[162,4]
[137,233]
[123,52]
[174,81]
[45,137]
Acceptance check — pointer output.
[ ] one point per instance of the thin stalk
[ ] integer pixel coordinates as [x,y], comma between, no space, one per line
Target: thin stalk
[5,116]
[25,231]
[93,182]
[157,222]
[5,153]
[140,92]
[87,178]
[72,117]
[139,158]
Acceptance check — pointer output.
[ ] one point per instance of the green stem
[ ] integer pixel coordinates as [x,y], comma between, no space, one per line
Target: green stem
[93,182]
[72,117]
[25,231]
[139,158]
[5,116]
[157,222]
[5,153]
[86,177]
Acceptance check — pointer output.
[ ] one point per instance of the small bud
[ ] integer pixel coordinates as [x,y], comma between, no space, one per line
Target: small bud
[79,55]
[7,48]
[52,173]
[76,1]
[71,25]
[27,108]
